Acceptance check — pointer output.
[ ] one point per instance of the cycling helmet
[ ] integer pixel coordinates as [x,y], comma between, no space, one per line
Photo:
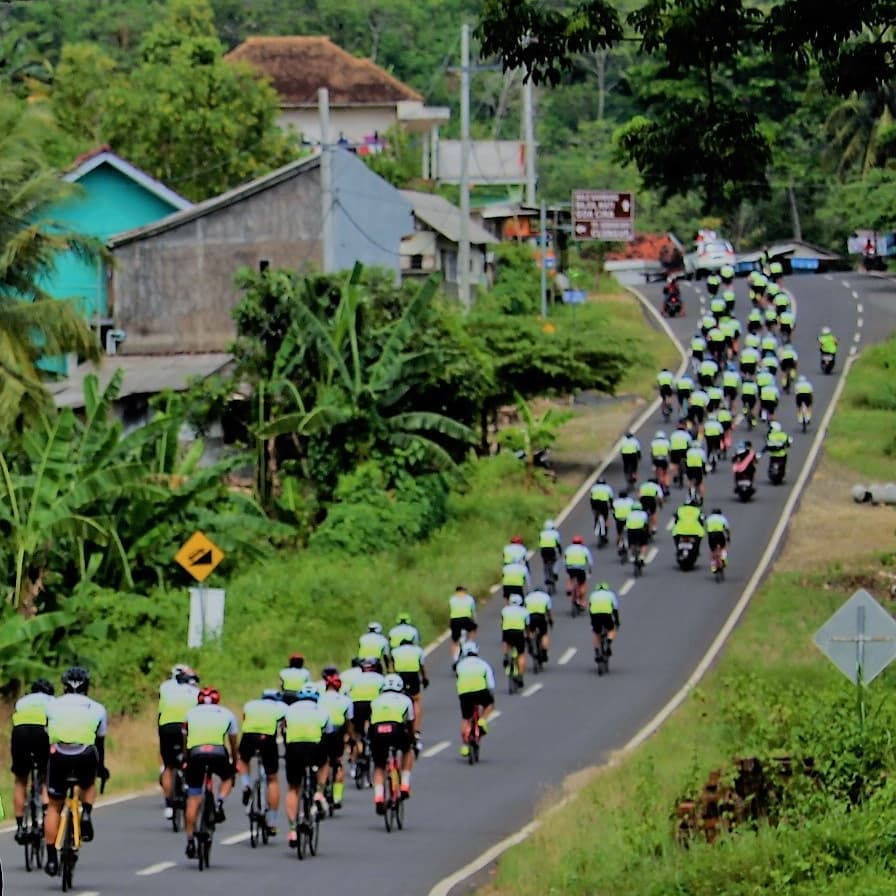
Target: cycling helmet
[577,539]
[802,376]
[329,672]
[403,619]
[187,676]
[375,627]
[775,426]
[629,435]
[660,434]
[76,680]
[516,540]
[308,692]
[825,331]
[393,682]
[208,695]
[740,448]
[296,661]
[271,694]
[717,510]
[550,524]
[623,493]
[371,664]
[471,648]
[516,600]
[604,586]
[356,662]
[177,669]
[695,443]
[42,686]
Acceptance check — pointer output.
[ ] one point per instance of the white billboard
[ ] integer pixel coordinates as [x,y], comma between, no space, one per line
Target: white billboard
[490,161]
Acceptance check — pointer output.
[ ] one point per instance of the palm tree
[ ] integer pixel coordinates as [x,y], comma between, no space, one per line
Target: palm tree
[856,127]
[32,322]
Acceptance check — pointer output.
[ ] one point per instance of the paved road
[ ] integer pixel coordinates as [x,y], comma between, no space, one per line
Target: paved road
[566,719]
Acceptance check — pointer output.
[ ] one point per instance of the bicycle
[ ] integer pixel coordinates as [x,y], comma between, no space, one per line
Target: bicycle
[178,796]
[258,803]
[513,670]
[474,737]
[804,416]
[576,592]
[34,823]
[205,821]
[718,564]
[308,829]
[394,816]
[550,578]
[637,561]
[361,767]
[603,656]
[600,529]
[533,642]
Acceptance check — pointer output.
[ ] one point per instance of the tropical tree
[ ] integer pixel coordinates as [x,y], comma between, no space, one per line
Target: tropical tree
[32,322]
[861,128]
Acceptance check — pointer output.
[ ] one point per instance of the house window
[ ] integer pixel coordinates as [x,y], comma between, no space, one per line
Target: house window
[416,262]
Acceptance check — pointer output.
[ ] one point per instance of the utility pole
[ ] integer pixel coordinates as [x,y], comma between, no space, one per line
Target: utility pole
[326,182]
[543,239]
[529,132]
[463,255]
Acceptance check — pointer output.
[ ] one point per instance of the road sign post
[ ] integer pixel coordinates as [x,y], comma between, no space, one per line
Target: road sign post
[603,215]
[199,556]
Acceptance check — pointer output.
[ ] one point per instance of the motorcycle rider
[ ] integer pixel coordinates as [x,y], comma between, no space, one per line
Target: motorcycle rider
[688,522]
[743,462]
[827,343]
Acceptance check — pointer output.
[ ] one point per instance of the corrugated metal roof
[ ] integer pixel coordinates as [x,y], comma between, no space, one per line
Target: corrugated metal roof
[143,375]
[444,217]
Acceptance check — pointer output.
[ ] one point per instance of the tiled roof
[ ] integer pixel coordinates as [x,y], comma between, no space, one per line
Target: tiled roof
[298,66]
[645,245]
[87,156]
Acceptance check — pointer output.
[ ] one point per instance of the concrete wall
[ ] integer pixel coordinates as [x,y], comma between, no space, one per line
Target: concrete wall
[355,123]
[174,291]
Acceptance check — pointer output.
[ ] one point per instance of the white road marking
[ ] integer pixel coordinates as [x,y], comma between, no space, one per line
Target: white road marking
[236,838]
[857,337]
[860,322]
[828,276]
[567,655]
[846,283]
[435,749]
[155,869]
[855,295]
[670,525]
[651,554]
[495,715]
[853,350]
[533,689]
[494,589]
[627,586]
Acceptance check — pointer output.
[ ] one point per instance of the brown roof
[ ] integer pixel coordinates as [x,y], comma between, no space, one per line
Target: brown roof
[298,66]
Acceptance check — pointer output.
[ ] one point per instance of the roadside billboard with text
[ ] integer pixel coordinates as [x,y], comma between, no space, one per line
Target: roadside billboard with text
[603,215]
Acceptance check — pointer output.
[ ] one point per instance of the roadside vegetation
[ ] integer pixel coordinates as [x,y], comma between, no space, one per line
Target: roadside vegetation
[772,695]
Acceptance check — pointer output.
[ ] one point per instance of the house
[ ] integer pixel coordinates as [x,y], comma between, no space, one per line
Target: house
[113,196]
[433,245]
[365,100]
[174,279]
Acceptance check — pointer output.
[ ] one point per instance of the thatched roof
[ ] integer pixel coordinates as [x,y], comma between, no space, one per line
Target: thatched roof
[298,66]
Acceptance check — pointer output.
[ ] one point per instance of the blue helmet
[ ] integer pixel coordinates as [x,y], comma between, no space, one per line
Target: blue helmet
[309,692]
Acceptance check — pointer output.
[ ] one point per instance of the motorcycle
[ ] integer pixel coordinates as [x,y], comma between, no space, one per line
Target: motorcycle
[744,471]
[777,466]
[673,306]
[687,547]
[827,362]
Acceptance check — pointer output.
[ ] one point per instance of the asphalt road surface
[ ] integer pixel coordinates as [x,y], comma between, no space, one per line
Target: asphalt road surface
[566,718]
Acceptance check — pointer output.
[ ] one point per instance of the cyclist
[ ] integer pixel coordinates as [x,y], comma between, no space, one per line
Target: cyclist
[731,381]
[621,508]
[350,676]
[776,271]
[716,397]
[713,432]
[684,386]
[730,301]
[630,449]
[688,521]
[29,747]
[726,418]
[407,661]
[679,442]
[769,396]
[211,730]
[475,688]
[262,722]
[731,327]
[713,282]
[306,726]
[514,579]
[777,444]
[601,498]
[715,344]
[718,535]
[293,678]
[551,545]
[515,552]
[177,696]
[707,373]
[391,725]
[341,712]
[462,617]
[603,607]
[698,348]
[697,408]
[578,561]
[637,531]
[660,449]
[374,643]
[768,345]
[749,361]
[665,380]
[755,320]
[786,324]
[514,624]
[76,731]
[695,469]
[781,301]
[803,392]
[538,606]
[757,283]
[789,359]
[718,306]
[651,497]
[402,629]
[362,691]
[707,322]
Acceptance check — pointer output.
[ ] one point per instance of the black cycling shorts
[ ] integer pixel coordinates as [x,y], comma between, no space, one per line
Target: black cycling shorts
[469,702]
[602,620]
[696,413]
[713,443]
[514,638]
[676,455]
[706,380]
[577,575]
[684,395]
[300,756]
[538,623]
[334,747]
[804,400]
[412,684]
[769,406]
[788,364]
[716,540]
[361,715]
[648,502]
[620,525]
[666,391]
[384,735]
[172,744]
[548,556]
[729,392]
[695,474]
[661,463]
[29,746]
[214,758]
[749,401]
[266,744]
[637,537]
[464,624]
[600,508]
[83,766]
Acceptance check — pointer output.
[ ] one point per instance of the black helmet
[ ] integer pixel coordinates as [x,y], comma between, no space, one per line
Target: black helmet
[717,510]
[42,686]
[76,680]
[328,671]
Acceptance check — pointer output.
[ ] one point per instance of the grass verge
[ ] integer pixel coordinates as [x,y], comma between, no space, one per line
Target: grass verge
[772,693]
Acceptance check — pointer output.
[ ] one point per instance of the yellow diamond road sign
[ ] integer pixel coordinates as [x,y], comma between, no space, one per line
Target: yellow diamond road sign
[199,556]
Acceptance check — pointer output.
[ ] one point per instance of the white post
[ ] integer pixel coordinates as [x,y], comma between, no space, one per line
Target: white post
[529,131]
[463,255]
[326,182]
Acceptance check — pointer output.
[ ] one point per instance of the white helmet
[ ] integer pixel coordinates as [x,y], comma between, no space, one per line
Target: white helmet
[393,682]
[471,648]
[775,426]
[660,434]
[375,627]
[516,600]
[825,331]
[550,524]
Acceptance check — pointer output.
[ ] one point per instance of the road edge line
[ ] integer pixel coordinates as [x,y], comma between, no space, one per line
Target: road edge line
[447,884]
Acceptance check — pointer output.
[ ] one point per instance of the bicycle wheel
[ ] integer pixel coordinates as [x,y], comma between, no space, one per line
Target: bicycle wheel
[314,834]
[67,856]
[301,842]
[388,797]
[178,801]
